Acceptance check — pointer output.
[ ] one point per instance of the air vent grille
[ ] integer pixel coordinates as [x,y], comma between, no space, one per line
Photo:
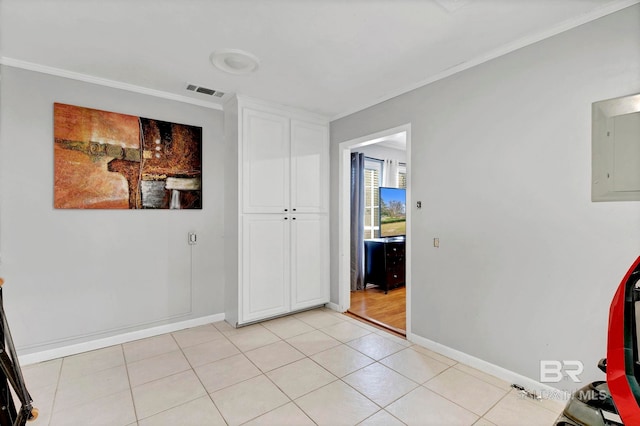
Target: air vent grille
[205,90]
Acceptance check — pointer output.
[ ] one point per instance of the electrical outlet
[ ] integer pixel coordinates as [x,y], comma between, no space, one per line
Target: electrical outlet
[193,238]
[436,242]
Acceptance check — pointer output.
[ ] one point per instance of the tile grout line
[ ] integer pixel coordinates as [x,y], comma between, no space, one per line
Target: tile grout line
[453,402]
[75,379]
[337,378]
[55,392]
[341,379]
[291,400]
[262,373]
[309,357]
[228,336]
[193,369]
[126,366]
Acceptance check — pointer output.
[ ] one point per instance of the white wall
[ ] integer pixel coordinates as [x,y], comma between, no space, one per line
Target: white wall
[501,160]
[76,275]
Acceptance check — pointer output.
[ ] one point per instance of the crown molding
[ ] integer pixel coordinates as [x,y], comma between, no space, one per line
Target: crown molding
[501,51]
[58,72]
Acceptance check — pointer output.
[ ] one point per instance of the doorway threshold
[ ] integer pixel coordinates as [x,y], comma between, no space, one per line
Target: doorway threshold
[378,324]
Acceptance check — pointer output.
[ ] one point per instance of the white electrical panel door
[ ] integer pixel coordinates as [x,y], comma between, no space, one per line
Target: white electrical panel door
[615,150]
[265,162]
[265,266]
[626,152]
[309,260]
[309,167]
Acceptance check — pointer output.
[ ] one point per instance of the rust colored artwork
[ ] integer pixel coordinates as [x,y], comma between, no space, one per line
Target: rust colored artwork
[106,160]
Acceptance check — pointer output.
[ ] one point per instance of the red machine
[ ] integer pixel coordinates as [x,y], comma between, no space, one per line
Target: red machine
[616,401]
[623,347]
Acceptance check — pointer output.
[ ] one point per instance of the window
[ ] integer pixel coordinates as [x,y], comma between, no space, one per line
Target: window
[372,180]
[402,175]
[372,175]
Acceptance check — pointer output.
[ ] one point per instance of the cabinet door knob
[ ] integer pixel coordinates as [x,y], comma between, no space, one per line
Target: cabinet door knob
[286,218]
[286,210]
[293,218]
[294,210]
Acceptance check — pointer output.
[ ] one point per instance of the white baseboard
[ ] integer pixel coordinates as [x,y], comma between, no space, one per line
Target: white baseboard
[477,363]
[335,307]
[116,340]
[484,366]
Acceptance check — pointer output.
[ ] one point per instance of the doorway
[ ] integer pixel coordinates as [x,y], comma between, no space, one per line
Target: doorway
[389,309]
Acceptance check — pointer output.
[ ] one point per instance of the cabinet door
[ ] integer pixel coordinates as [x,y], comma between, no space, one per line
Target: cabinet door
[265,162]
[309,260]
[265,266]
[309,167]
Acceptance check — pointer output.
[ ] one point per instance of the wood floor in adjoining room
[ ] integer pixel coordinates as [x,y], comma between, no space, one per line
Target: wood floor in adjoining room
[387,310]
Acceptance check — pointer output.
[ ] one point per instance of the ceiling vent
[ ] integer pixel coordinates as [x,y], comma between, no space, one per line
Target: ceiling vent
[204,90]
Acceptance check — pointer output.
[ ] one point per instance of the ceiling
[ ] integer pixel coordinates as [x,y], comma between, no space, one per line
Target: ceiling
[332,57]
[395,141]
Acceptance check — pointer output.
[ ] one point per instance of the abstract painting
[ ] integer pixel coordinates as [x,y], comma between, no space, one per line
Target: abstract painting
[107,160]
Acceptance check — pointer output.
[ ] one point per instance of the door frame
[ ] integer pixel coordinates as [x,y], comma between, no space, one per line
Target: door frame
[344,215]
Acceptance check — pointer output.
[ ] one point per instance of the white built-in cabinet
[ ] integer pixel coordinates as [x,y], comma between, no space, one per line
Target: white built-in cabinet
[282,223]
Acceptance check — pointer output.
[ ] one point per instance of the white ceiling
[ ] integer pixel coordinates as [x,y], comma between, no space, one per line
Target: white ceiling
[396,141]
[332,57]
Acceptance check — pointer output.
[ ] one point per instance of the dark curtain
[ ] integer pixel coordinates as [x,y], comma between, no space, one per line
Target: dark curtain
[357,221]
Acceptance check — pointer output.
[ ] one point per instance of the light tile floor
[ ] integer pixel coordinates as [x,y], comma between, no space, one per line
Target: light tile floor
[316,367]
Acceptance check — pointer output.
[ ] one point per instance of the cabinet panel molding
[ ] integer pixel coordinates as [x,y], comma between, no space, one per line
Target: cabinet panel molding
[309,260]
[265,266]
[280,220]
[309,167]
[265,162]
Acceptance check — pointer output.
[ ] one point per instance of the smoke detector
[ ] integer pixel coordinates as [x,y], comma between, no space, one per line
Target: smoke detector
[234,61]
